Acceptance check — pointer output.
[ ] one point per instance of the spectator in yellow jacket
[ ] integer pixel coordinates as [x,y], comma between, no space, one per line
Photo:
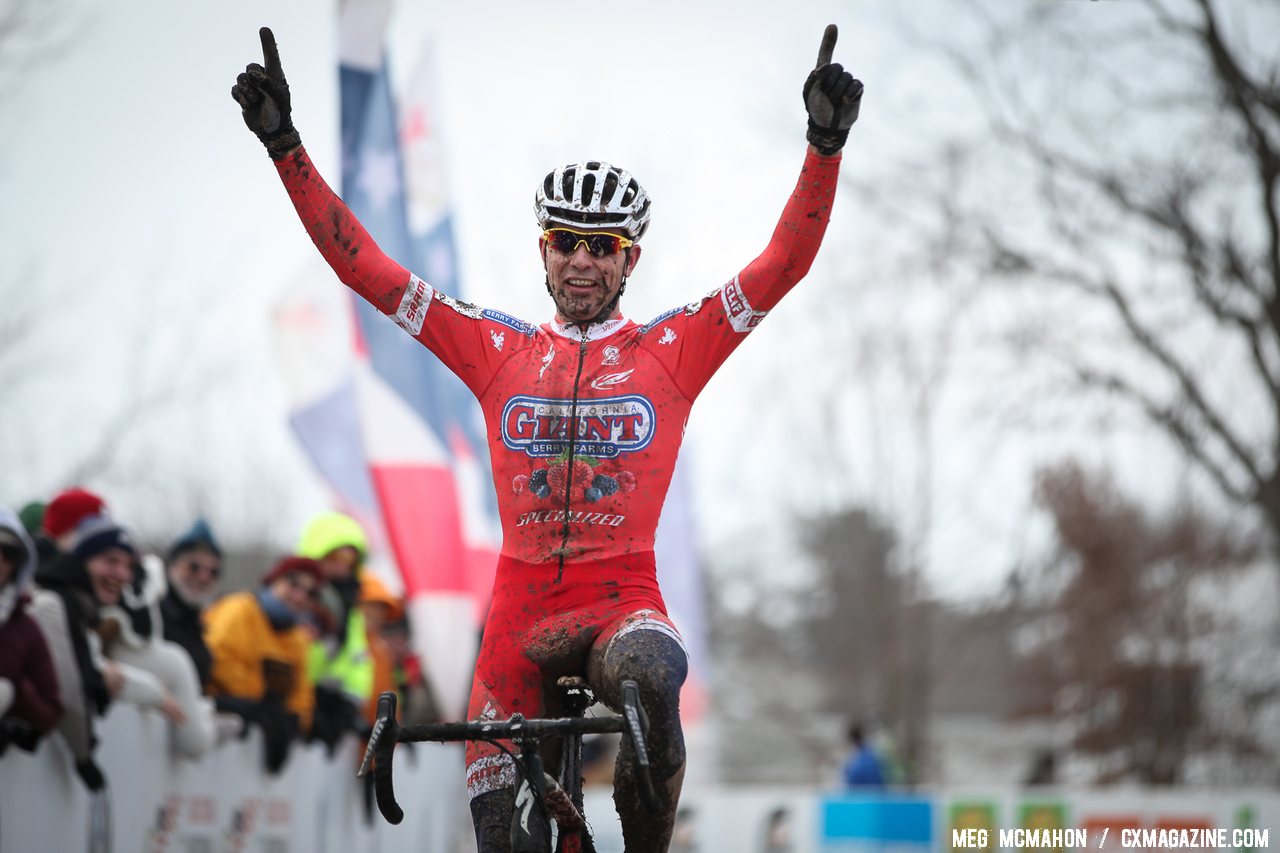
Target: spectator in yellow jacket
[259,644]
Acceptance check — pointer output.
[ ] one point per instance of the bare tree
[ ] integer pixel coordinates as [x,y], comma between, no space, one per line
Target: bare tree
[1114,178]
[1124,605]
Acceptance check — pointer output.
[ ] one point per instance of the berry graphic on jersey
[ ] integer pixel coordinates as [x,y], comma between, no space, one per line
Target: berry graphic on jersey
[519,484]
[626,481]
[558,476]
[606,484]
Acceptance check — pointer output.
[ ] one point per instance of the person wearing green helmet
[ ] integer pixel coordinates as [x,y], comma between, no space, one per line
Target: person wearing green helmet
[339,661]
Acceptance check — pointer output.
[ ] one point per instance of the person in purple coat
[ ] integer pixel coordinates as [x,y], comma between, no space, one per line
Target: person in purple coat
[30,702]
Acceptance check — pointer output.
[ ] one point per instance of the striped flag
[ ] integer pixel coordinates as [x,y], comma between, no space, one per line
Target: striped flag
[392,431]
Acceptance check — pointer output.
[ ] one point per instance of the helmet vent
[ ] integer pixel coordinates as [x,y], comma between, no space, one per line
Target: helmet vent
[610,187]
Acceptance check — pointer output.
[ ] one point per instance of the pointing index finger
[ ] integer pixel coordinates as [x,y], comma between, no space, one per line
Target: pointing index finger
[824,52]
[270,53]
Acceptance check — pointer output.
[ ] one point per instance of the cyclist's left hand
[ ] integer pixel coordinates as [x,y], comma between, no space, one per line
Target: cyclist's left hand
[832,97]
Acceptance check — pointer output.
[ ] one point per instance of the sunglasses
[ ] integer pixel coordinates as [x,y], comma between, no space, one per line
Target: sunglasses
[599,244]
[211,569]
[309,589]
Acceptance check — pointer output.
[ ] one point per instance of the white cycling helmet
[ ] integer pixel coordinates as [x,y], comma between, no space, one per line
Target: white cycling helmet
[593,194]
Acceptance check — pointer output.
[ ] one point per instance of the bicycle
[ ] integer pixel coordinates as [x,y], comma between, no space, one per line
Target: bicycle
[540,799]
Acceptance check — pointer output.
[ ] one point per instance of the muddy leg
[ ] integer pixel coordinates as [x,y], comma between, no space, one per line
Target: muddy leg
[491,815]
[657,662]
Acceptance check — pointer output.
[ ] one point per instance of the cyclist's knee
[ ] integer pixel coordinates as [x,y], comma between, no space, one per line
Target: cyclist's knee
[657,662]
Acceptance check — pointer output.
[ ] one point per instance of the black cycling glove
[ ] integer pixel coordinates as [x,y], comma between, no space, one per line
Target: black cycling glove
[91,774]
[832,97]
[263,95]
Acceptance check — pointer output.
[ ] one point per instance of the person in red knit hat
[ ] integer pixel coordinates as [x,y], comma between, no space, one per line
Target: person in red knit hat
[259,646]
[67,509]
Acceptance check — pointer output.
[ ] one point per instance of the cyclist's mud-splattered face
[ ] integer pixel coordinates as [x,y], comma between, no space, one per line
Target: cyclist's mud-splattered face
[582,284]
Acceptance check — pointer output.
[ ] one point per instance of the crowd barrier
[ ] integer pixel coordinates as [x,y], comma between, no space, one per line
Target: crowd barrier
[762,820]
[225,803]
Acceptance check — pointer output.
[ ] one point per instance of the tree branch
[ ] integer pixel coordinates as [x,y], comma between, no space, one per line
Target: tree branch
[1168,419]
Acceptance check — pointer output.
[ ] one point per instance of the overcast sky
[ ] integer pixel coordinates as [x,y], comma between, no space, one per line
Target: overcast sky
[148,229]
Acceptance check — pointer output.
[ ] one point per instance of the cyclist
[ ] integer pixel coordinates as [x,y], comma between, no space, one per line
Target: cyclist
[584,414]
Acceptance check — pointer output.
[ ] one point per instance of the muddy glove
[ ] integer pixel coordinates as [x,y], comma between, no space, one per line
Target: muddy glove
[832,97]
[263,96]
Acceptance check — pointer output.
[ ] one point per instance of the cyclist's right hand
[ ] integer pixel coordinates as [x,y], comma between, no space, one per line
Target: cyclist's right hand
[263,95]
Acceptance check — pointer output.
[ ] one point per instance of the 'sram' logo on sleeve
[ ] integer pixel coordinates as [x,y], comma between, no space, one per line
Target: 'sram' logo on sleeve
[413,306]
[741,315]
[604,428]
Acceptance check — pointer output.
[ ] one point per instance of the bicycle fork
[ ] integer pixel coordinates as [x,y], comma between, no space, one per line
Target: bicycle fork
[530,829]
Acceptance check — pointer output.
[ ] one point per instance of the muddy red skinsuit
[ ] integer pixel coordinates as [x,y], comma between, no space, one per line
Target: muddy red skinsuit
[577,551]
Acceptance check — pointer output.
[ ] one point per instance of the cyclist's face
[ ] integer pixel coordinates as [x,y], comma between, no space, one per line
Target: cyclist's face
[581,283]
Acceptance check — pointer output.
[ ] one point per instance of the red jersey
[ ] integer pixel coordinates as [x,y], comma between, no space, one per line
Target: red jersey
[620,392]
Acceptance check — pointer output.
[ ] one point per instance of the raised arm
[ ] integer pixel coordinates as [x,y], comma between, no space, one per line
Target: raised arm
[697,339]
[265,104]
[832,98]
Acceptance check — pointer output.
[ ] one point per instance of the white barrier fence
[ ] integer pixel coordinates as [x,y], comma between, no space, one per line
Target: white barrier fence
[224,803]
[227,804]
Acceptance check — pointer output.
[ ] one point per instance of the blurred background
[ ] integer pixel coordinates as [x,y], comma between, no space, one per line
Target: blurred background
[999,481]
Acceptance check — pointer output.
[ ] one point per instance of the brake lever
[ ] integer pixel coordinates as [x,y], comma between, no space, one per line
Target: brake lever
[380,753]
[637,724]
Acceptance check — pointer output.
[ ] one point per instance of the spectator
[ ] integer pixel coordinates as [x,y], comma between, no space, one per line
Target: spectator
[862,769]
[379,608]
[1044,768]
[777,832]
[32,517]
[340,664]
[418,700]
[260,649]
[192,570]
[156,674]
[885,746]
[30,702]
[64,606]
[64,513]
